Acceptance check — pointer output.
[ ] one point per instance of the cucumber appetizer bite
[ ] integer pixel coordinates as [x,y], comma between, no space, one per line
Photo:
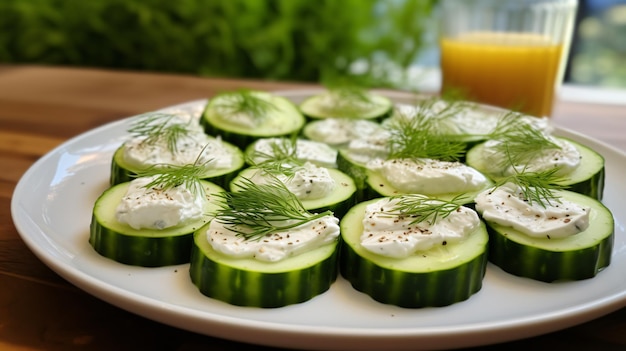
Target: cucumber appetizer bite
[163,139]
[243,116]
[544,233]
[318,188]
[414,251]
[150,220]
[420,160]
[516,145]
[346,102]
[460,121]
[296,163]
[263,249]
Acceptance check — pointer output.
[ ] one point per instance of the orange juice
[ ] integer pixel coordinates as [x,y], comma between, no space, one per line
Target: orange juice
[510,70]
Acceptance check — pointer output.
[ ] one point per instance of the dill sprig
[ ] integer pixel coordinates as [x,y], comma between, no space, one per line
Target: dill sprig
[172,176]
[156,127]
[442,118]
[536,186]
[441,110]
[418,137]
[282,159]
[519,139]
[257,210]
[167,176]
[424,209]
[243,101]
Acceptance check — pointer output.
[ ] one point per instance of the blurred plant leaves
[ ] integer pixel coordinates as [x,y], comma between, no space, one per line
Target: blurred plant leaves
[298,40]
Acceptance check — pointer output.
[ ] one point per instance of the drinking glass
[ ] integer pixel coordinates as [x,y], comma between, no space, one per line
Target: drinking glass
[507,53]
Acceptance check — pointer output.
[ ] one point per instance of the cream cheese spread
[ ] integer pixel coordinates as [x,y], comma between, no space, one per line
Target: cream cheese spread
[387,233]
[192,147]
[307,182]
[340,131]
[428,176]
[306,150]
[155,208]
[462,120]
[566,159]
[277,246]
[507,206]
[368,148]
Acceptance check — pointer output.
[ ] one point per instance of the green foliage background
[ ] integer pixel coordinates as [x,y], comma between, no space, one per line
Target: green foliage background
[301,40]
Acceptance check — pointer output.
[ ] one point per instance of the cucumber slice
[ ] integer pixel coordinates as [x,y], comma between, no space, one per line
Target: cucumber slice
[576,257]
[339,201]
[377,186]
[437,277]
[587,179]
[250,282]
[285,119]
[330,105]
[122,171]
[355,171]
[143,247]
[355,168]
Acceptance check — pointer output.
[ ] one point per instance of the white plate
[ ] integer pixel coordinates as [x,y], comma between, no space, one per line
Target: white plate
[52,206]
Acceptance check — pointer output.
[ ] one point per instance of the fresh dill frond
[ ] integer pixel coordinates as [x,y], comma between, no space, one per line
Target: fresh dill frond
[257,210]
[424,209]
[536,187]
[156,127]
[442,110]
[520,139]
[282,159]
[418,137]
[172,176]
[243,101]
[167,176]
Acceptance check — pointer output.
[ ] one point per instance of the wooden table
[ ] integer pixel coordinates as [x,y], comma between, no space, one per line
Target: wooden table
[41,107]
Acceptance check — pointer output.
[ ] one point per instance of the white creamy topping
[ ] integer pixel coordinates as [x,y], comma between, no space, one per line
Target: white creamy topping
[368,148]
[394,236]
[188,147]
[540,123]
[465,120]
[468,119]
[567,158]
[338,131]
[187,114]
[428,176]
[307,183]
[277,246]
[507,206]
[306,150]
[153,208]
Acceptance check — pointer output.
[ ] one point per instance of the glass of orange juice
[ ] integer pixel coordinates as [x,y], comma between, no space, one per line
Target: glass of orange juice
[507,53]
